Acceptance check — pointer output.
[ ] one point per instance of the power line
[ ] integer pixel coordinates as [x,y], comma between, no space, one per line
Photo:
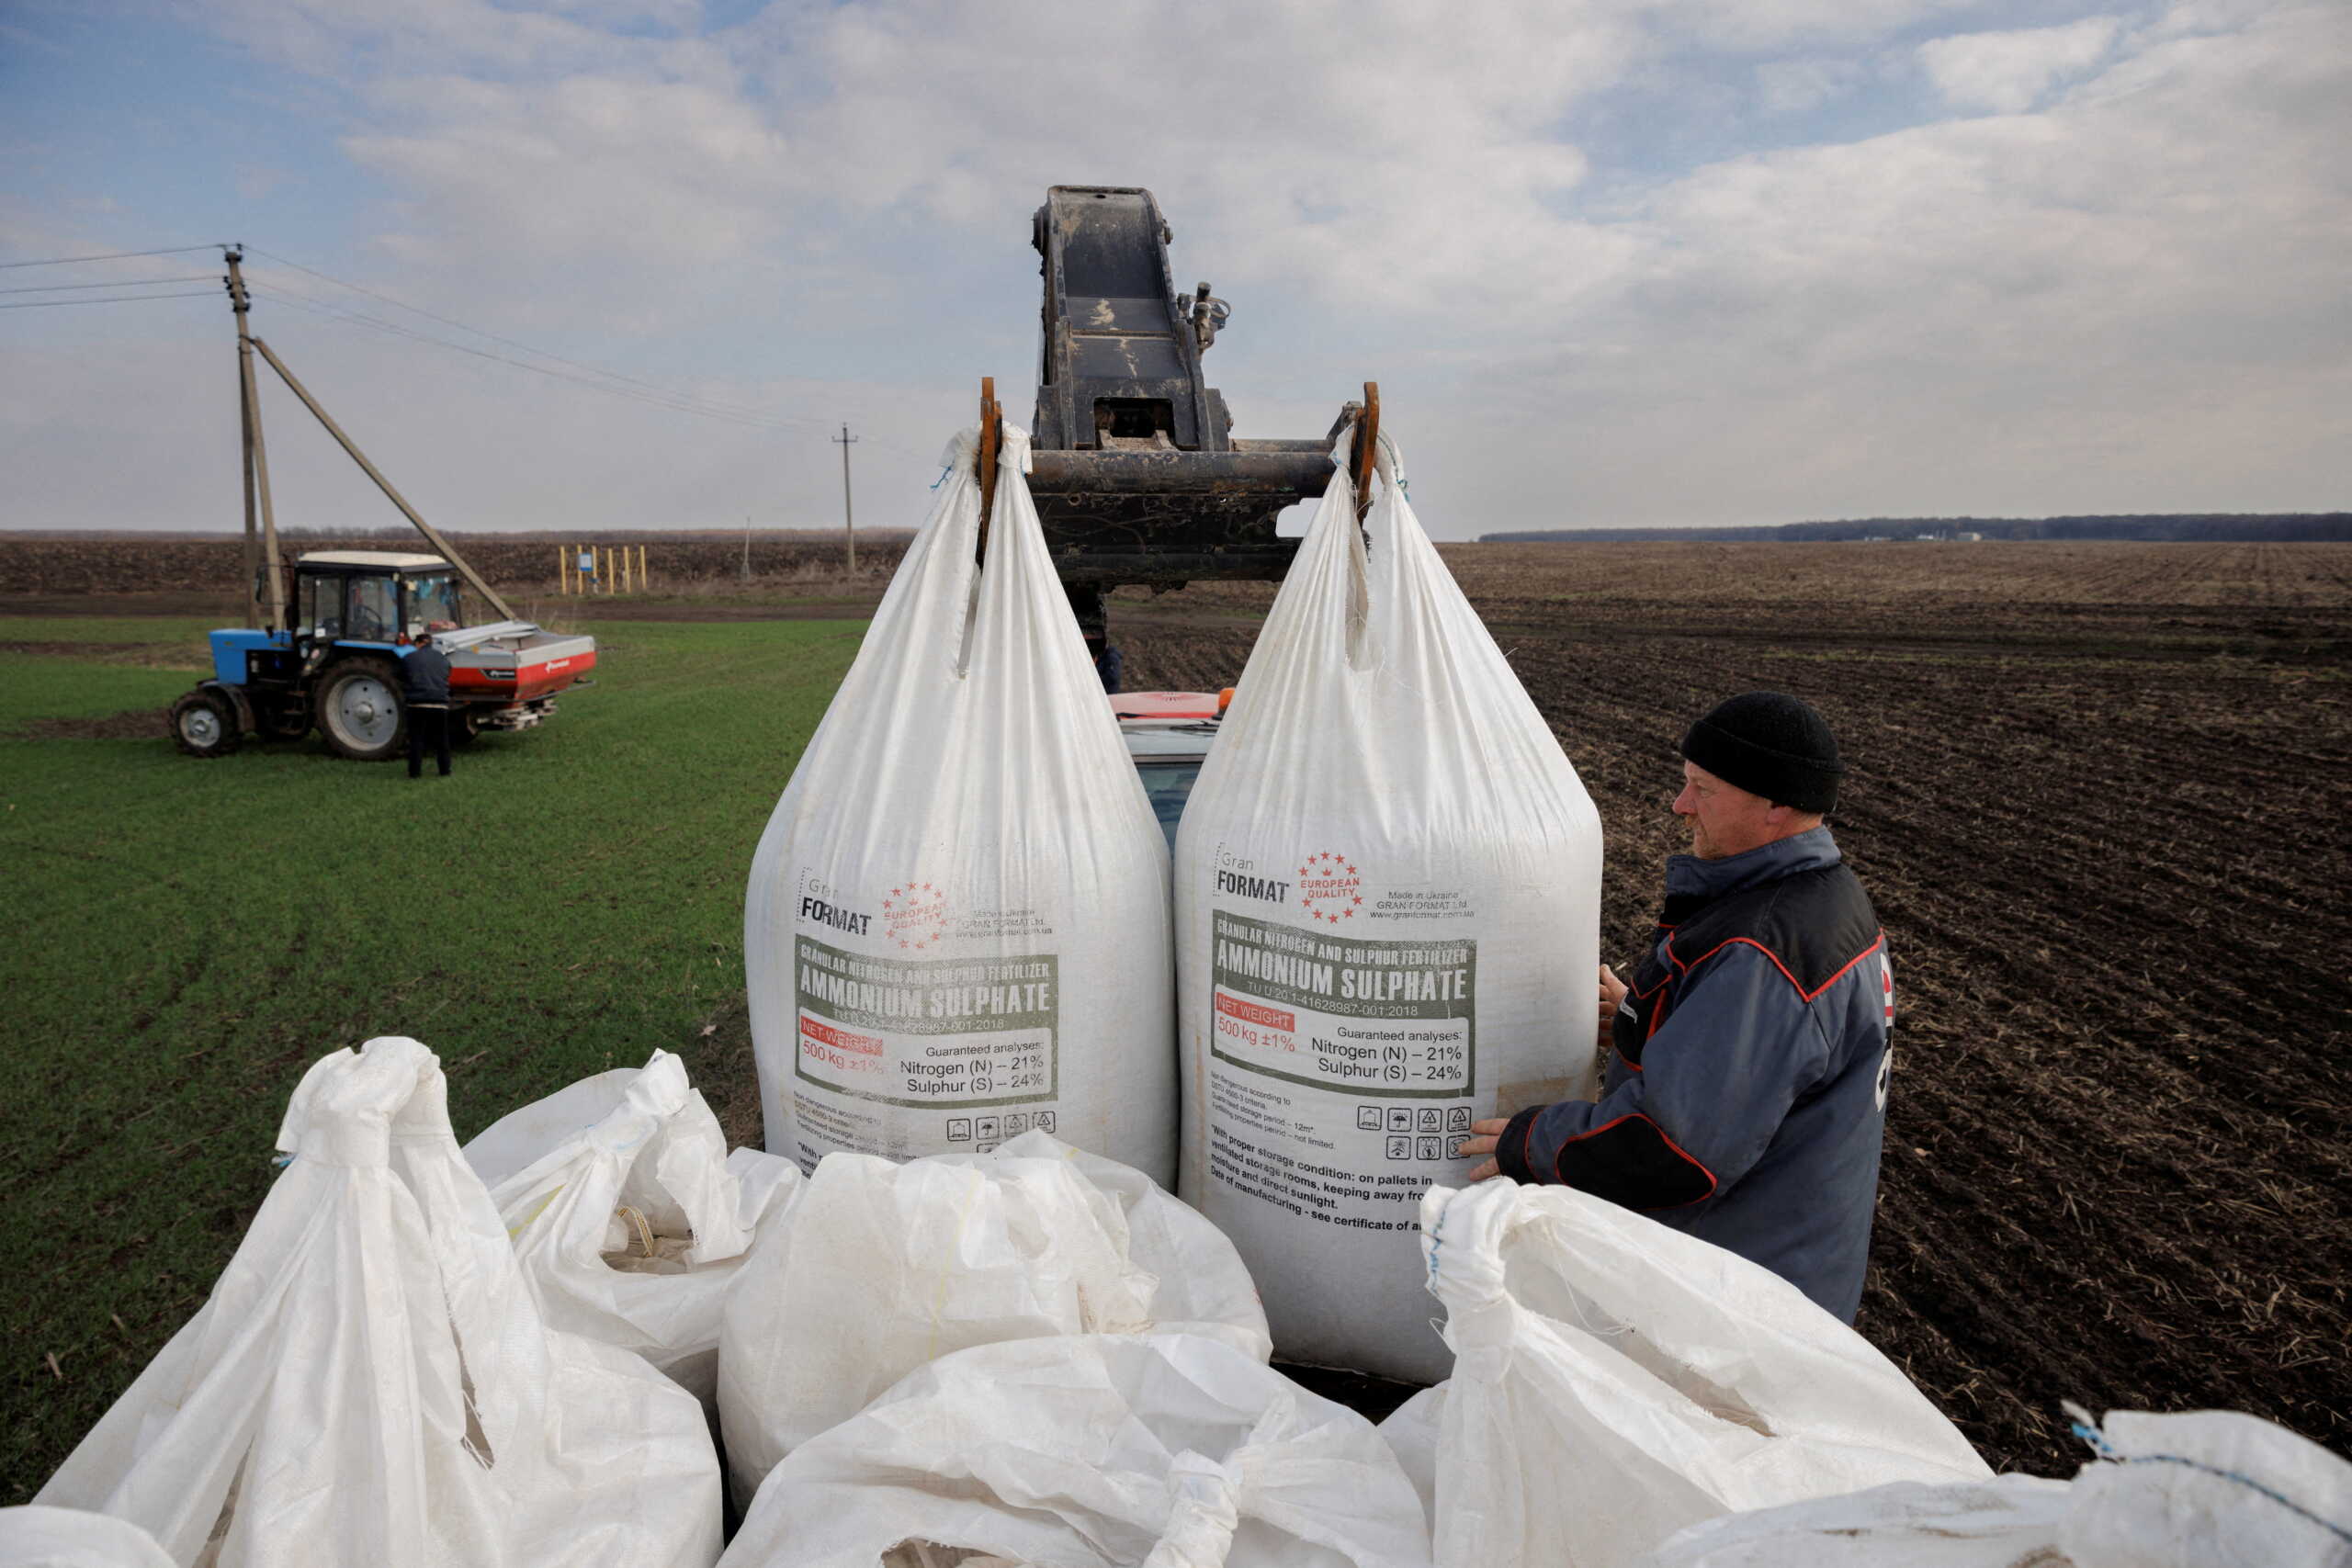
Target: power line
[652,397]
[115,283]
[393,327]
[659,396]
[124,300]
[597,378]
[673,403]
[526,348]
[113,256]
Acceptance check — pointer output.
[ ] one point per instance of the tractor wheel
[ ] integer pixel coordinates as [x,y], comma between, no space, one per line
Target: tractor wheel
[359,709]
[204,723]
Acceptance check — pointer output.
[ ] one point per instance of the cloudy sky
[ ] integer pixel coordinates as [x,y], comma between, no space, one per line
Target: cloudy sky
[1613,262]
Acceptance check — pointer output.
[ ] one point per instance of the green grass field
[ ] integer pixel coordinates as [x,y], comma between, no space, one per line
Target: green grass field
[186,937]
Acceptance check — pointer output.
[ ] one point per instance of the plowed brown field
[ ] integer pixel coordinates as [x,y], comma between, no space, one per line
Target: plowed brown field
[2102,797]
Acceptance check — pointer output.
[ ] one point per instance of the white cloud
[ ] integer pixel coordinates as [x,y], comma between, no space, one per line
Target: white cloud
[2130,302]
[2007,72]
[1794,86]
[1743,25]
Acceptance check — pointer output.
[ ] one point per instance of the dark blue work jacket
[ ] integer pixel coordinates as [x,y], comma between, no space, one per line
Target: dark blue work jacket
[1746,1095]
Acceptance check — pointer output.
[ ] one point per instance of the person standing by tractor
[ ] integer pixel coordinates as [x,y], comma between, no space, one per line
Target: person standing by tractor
[425,675]
[1109,666]
[1744,1099]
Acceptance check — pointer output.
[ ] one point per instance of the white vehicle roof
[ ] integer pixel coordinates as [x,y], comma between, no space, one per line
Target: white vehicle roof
[388,561]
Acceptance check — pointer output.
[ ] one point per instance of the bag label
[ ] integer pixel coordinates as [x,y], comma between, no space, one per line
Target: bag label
[931,1032]
[1387,1019]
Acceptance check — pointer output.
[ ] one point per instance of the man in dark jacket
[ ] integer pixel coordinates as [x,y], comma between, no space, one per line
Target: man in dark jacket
[1745,1094]
[425,675]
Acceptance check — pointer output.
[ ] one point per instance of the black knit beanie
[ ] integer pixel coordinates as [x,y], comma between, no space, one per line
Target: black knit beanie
[1772,745]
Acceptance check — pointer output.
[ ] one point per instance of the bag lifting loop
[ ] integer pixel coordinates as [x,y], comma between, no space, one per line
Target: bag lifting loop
[991,447]
[1360,461]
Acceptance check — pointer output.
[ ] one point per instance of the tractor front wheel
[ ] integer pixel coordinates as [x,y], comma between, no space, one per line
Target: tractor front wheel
[204,723]
[359,709]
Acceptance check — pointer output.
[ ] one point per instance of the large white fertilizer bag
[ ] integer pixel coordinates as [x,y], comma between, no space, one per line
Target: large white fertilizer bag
[1387,895]
[957,925]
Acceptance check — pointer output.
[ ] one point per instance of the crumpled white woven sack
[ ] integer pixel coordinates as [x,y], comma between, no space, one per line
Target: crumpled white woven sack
[629,1215]
[2010,1521]
[956,923]
[37,1537]
[882,1268]
[1387,914]
[371,1382]
[2208,1489]
[1159,1450]
[1616,1381]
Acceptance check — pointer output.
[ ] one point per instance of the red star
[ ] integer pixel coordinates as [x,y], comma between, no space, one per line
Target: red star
[895,891]
[1351,913]
[1357,899]
[1350,870]
[1301,871]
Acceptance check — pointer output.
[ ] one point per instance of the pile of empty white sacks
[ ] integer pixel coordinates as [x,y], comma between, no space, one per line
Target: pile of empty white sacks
[517,1352]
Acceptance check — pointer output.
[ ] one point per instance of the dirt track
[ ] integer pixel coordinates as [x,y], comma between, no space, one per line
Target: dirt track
[2102,797]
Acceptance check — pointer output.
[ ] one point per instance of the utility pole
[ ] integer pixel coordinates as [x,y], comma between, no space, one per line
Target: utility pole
[257,456]
[849,528]
[474,580]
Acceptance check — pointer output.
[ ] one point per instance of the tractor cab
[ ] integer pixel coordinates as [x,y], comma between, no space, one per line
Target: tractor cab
[373,596]
[353,616]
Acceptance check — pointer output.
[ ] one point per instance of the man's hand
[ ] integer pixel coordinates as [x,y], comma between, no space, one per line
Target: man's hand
[1612,996]
[1483,1136]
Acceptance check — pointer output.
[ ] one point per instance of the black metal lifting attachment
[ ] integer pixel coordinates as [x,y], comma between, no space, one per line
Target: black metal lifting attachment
[1137,475]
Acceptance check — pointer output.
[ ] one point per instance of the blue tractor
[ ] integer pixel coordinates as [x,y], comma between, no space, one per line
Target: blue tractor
[335,665]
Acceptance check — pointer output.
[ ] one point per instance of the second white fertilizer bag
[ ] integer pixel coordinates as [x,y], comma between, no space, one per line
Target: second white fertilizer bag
[1387,895]
[958,926]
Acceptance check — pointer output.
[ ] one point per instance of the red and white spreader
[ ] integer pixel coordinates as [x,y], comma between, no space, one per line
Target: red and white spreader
[507,673]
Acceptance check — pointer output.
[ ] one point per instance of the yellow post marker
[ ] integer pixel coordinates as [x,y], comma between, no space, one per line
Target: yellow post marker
[640,568]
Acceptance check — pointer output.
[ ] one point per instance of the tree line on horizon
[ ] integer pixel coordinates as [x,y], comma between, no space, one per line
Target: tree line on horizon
[2209,527]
